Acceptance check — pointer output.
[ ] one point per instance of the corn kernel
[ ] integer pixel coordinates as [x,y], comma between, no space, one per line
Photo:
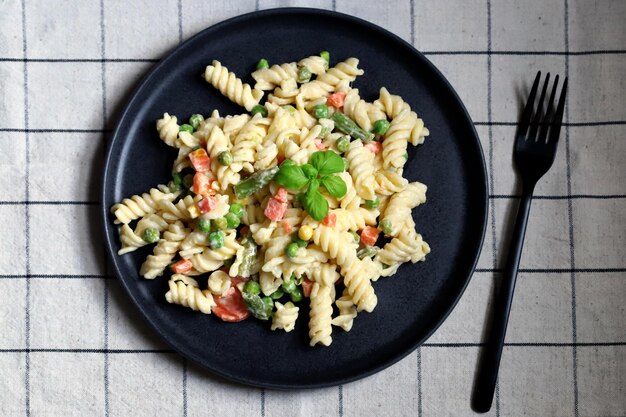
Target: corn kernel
[305,233]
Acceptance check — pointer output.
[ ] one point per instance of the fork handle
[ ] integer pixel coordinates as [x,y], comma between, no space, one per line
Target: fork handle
[488,371]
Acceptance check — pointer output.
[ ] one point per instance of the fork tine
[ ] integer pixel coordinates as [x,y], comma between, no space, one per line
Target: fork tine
[558,117]
[545,124]
[528,110]
[534,126]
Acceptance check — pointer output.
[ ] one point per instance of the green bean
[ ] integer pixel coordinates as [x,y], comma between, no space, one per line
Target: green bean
[248,257]
[255,182]
[257,307]
[349,127]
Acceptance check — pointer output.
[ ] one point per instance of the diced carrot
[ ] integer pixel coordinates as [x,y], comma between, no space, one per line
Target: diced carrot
[281,195]
[201,184]
[231,306]
[287,228]
[336,99]
[200,160]
[275,210]
[319,144]
[181,267]
[369,235]
[207,204]
[307,286]
[374,147]
[329,220]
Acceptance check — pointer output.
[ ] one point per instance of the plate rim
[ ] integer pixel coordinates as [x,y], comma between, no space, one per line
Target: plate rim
[117,135]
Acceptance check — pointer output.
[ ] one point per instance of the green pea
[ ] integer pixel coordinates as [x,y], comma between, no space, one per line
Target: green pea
[236,209]
[321,111]
[195,120]
[406,155]
[204,225]
[346,164]
[259,109]
[220,224]
[386,226]
[225,158]
[186,128]
[232,220]
[326,56]
[268,302]
[262,64]
[342,144]
[252,287]
[178,179]
[301,243]
[277,295]
[304,74]
[290,109]
[372,204]
[355,236]
[296,295]
[216,239]
[381,126]
[151,235]
[292,250]
[289,286]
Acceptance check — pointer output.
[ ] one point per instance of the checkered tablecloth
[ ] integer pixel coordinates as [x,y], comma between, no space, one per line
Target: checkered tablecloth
[70,343]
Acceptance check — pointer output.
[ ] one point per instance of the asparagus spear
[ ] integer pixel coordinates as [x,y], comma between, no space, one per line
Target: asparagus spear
[348,126]
[254,182]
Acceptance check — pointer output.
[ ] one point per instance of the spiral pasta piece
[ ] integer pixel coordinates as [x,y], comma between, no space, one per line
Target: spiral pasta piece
[357,278]
[347,312]
[164,251]
[391,104]
[357,109]
[268,78]
[407,246]
[137,206]
[419,132]
[326,83]
[185,292]
[314,63]
[194,243]
[389,182]
[181,210]
[218,282]
[211,259]
[339,245]
[285,316]
[285,94]
[307,145]
[400,205]
[362,169]
[326,275]
[320,315]
[232,87]
[168,129]
[396,139]
[245,143]
[133,239]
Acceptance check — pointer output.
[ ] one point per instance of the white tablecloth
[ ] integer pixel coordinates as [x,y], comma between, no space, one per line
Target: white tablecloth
[70,343]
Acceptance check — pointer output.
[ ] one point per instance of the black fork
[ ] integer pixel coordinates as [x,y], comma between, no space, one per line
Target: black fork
[535,148]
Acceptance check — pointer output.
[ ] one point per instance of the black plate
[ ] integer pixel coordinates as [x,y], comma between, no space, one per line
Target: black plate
[411,304]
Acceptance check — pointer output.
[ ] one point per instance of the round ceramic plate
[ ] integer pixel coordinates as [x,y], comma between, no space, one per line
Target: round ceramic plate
[412,303]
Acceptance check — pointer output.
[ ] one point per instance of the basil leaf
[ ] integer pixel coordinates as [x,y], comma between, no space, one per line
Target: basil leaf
[334,185]
[309,171]
[315,204]
[291,177]
[327,162]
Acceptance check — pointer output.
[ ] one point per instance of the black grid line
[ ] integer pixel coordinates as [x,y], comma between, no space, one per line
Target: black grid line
[412,8]
[419,382]
[18,130]
[48,203]
[340,400]
[78,60]
[492,204]
[570,218]
[27,217]
[106,380]
[57,276]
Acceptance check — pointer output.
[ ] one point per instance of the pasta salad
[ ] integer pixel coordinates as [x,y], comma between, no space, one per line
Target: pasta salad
[299,199]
